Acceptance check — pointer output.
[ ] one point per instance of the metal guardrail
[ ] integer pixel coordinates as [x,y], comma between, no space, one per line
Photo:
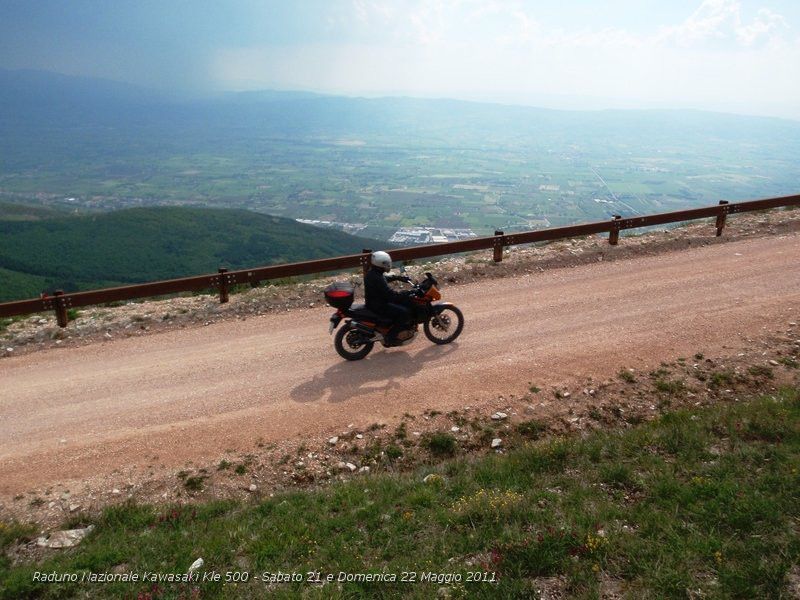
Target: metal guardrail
[61,302]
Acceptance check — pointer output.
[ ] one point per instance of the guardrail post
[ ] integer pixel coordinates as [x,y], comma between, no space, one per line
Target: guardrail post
[365,260]
[613,236]
[721,218]
[60,307]
[498,245]
[223,285]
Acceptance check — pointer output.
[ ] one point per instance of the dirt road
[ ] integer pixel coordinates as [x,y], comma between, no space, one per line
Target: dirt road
[67,414]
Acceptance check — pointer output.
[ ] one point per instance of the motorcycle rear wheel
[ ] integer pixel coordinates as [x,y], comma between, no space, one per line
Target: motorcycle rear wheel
[351,343]
[444,327]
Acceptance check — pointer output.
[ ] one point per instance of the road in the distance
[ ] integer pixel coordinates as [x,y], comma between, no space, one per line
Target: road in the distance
[192,394]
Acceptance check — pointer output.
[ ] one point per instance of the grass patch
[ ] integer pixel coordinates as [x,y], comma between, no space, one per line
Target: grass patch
[707,500]
[6,321]
[761,372]
[626,376]
[618,475]
[194,483]
[721,378]
[12,532]
[440,444]
[671,388]
[532,429]
[393,452]
[788,361]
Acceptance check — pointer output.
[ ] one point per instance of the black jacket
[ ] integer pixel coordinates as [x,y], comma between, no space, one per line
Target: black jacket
[377,293]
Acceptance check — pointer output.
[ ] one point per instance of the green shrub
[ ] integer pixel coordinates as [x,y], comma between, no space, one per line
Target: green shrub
[440,444]
[532,429]
[761,372]
[669,387]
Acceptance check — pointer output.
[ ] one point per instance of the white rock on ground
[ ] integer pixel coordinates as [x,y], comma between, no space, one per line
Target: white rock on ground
[196,565]
[497,442]
[499,416]
[64,539]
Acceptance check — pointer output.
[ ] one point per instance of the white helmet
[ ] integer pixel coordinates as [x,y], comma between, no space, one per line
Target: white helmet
[382,259]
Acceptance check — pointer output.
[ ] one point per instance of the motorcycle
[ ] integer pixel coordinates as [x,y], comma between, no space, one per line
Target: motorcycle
[442,322]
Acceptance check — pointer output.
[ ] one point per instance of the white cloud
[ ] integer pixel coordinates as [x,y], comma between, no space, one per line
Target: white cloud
[721,20]
[495,50]
[765,25]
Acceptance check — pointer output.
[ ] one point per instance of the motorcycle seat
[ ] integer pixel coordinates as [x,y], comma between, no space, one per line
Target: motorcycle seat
[360,311]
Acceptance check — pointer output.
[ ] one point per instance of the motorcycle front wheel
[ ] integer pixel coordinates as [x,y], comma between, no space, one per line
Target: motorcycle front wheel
[444,327]
[351,344]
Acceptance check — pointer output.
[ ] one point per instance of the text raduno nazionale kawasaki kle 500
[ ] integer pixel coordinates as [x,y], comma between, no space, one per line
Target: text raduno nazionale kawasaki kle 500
[442,322]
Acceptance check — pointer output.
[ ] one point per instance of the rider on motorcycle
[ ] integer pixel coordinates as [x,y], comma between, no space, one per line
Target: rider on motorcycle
[382,299]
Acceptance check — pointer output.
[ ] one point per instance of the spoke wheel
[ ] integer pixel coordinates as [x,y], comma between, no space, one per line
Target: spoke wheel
[444,327]
[351,344]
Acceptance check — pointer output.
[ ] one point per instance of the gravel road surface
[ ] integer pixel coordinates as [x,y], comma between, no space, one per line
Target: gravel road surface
[192,394]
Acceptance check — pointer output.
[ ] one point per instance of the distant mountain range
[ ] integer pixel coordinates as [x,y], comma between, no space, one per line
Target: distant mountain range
[83,136]
[41,251]
[36,99]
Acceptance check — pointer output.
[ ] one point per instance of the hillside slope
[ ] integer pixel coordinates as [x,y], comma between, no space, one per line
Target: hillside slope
[146,244]
[196,393]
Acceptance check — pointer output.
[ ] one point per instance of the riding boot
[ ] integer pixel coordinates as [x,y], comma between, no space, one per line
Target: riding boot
[391,335]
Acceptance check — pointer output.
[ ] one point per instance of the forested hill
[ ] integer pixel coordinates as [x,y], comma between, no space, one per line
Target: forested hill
[146,244]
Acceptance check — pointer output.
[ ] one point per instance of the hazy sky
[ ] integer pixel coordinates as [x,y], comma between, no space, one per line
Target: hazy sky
[740,56]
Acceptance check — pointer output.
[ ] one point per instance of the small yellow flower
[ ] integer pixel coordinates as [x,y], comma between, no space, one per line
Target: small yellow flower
[494,500]
[593,542]
[596,568]
[718,557]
